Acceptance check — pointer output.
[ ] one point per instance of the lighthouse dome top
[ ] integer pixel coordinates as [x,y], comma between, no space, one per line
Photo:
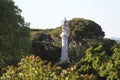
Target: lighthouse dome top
[65,22]
[65,19]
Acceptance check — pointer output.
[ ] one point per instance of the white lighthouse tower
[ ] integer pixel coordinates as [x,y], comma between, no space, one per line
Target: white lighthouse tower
[64,38]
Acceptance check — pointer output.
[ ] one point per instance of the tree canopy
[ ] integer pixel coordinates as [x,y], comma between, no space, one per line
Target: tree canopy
[14,33]
[83,34]
[82,29]
[87,50]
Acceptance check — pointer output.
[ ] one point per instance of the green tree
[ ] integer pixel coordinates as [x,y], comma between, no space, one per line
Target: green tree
[107,45]
[43,46]
[83,34]
[55,34]
[96,62]
[14,33]
[33,68]
[105,42]
[83,29]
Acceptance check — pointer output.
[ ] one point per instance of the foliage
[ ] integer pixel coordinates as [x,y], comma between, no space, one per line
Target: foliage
[55,34]
[14,34]
[101,61]
[46,44]
[29,68]
[77,43]
[95,65]
[84,33]
[107,46]
[98,63]
[46,51]
[76,52]
[43,46]
[34,32]
[42,37]
[106,43]
[33,68]
[83,29]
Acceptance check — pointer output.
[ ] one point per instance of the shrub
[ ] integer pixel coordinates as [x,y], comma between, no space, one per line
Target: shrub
[33,68]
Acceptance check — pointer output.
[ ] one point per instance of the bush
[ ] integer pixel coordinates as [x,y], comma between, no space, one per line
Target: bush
[46,51]
[96,62]
[95,65]
[31,68]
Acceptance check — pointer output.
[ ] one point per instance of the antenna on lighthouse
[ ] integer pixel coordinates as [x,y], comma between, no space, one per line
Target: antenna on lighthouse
[64,38]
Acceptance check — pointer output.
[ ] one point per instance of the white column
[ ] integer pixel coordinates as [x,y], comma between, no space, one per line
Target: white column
[64,39]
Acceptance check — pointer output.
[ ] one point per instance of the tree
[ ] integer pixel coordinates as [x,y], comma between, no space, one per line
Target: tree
[14,33]
[105,42]
[83,29]
[55,34]
[107,46]
[83,34]
[43,46]
[96,62]
[33,68]
[42,37]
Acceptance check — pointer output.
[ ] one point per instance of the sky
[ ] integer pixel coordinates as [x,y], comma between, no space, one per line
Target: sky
[45,14]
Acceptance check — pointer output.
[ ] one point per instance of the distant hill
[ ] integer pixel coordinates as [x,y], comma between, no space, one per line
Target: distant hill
[116,39]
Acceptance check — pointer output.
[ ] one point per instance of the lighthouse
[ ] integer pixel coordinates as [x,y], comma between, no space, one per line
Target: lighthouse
[64,38]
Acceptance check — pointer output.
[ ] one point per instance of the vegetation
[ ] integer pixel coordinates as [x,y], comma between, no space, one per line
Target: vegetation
[14,34]
[83,34]
[95,65]
[96,62]
[92,57]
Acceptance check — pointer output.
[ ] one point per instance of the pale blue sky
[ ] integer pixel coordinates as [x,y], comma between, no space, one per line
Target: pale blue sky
[44,14]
